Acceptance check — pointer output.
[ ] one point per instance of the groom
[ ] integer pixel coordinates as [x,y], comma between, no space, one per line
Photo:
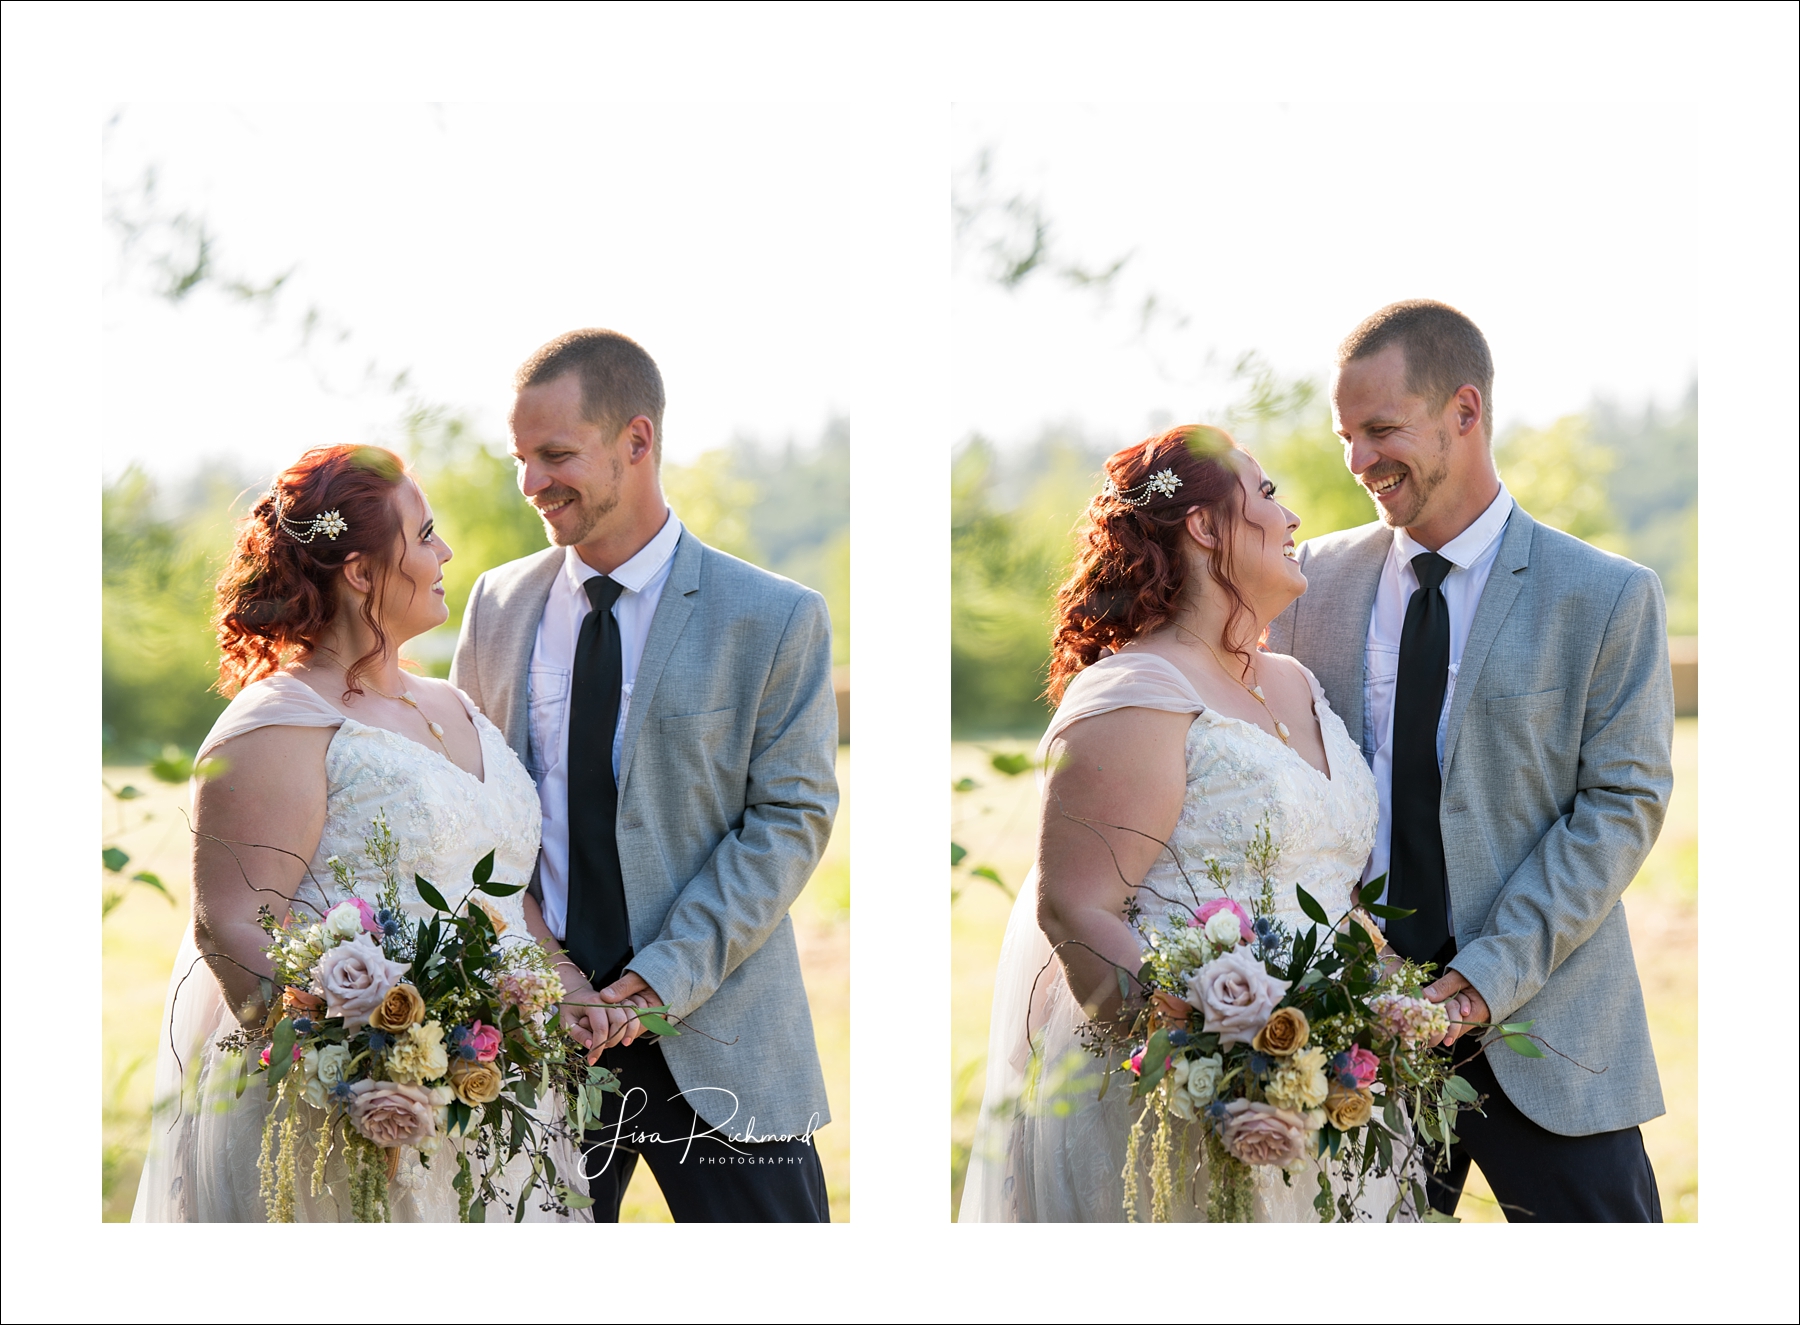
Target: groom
[675,706]
[1510,687]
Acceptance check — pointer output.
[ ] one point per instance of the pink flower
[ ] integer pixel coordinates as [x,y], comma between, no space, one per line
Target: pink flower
[1210,909]
[264,1059]
[1137,1061]
[483,1041]
[355,977]
[1256,1133]
[1364,1065]
[1235,995]
[391,1113]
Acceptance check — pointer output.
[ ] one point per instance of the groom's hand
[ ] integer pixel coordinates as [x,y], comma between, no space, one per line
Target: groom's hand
[631,991]
[1462,1002]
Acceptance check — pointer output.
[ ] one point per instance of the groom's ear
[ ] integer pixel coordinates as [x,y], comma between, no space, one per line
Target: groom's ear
[639,437]
[1200,529]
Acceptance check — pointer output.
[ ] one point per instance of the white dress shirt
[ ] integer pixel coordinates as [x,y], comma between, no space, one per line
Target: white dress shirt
[1471,556]
[552,666]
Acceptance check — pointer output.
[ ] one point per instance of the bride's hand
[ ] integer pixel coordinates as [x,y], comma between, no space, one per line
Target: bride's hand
[1172,1011]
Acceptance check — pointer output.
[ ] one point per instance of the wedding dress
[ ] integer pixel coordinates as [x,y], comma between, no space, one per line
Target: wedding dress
[1055,1152]
[204,1140]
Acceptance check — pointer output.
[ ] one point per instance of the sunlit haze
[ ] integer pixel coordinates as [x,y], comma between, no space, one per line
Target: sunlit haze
[1567,233]
[451,241]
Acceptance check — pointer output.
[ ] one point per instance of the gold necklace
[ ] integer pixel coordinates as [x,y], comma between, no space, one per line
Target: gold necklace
[405,697]
[1256,691]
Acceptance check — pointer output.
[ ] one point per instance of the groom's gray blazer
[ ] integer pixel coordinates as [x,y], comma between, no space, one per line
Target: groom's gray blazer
[727,787]
[1556,777]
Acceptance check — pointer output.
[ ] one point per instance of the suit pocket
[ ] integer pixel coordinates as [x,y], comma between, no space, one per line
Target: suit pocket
[683,726]
[1525,706]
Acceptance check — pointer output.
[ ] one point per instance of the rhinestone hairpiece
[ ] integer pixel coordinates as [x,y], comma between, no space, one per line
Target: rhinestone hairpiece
[1163,483]
[331,524]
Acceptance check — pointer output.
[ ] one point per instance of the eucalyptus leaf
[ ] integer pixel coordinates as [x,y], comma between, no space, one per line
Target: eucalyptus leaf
[524,1192]
[281,1051]
[1523,1047]
[573,1199]
[1460,1090]
[1156,1054]
[478,1212]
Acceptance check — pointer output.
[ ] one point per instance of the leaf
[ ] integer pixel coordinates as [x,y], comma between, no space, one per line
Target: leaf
[525,1191]
[1520,1026]
[503,889]
[1155,1063]
[114,859]
[281,1051]
[573,1199]
[957,854]
[1461,1091]
[1011,765]
[478,1212]
[149,880]
[1369,891]
[243,1074]
[1124,982]
[656,1024]
[1310,905]
[1447,1119]
[173,767]
[964,784]
[1437,1217]
[484,869]
[1381,912]
[127,793]
[1523,1047]
[433,898]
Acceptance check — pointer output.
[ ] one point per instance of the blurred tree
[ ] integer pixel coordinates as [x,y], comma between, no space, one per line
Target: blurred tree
[1559,474]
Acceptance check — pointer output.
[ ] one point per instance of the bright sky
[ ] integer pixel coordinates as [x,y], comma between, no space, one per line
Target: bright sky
[1567,233]
[454,240]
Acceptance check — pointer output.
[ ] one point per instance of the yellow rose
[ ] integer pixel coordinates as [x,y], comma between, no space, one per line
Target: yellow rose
[493,915]
[1348,1108]
[475,1083]
[399,1008]
[1283,1033]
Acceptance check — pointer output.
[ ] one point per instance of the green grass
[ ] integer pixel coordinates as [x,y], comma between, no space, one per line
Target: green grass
[996,823]
[139,940]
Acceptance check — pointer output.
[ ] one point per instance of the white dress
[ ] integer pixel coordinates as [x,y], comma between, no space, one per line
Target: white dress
[204,1141]
[1062,1159]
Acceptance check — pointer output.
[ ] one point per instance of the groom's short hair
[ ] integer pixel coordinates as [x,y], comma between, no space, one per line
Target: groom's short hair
[1444,350]
[619,379]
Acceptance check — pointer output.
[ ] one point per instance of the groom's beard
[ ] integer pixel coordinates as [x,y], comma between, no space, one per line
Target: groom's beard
[582,515]
[1421,482]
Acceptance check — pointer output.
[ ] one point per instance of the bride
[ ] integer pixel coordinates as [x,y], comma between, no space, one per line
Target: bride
[1171,723]
[335,568]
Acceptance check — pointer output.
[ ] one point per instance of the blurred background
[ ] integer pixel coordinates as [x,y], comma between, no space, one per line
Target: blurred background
[280,278]
[1123,269]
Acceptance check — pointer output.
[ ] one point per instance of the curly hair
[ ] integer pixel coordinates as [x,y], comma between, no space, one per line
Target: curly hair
[278,594]
[1131,565]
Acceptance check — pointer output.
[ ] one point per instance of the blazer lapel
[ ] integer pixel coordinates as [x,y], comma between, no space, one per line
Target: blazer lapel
[672,612]
[1497,597]
[517,612]
[1335,633]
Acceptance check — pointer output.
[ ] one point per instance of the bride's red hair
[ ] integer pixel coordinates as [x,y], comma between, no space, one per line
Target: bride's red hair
[1131,561]
[279,594]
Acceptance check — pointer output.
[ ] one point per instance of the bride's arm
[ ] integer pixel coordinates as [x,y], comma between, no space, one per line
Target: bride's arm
[268,800]
[580,1003]
[1126,768]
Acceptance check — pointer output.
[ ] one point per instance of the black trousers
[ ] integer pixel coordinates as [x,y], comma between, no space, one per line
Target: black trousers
[1539,1176]
[704,1177]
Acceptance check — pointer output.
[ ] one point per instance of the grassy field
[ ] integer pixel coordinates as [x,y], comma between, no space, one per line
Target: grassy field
[140,936]
[996,819]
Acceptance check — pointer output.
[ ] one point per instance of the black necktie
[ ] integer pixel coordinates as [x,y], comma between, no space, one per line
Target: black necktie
[1416,875]
[598,928]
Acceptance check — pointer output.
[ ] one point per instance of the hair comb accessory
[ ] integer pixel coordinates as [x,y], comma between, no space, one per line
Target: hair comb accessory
[1163,483]
[330,524]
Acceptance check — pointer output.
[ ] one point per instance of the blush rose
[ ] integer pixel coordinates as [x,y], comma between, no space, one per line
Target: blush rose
[1235,995]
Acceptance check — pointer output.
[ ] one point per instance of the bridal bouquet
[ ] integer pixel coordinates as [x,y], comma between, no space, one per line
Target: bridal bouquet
[439,1037]
[1297,1046]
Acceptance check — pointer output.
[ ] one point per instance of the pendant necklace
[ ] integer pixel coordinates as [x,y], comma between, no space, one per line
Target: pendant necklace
[405,697]
[1256,691]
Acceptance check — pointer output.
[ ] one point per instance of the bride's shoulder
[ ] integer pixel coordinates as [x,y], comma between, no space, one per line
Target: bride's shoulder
[1296,675]
[443,690]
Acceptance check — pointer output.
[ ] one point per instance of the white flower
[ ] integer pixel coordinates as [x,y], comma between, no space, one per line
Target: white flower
[1224,929]
[1178,1074]
[325,1066]
[1182,1106]
[342,922]
[1203,1078]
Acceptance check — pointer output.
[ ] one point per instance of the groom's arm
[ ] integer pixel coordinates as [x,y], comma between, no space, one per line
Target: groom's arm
[465,674]
[1570,883]
[728,910]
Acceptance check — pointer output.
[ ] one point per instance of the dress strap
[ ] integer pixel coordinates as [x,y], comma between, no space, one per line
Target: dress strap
[1134,679]
[278,700]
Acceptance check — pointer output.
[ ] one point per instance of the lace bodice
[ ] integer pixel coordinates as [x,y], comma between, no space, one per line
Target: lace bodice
[1238,777]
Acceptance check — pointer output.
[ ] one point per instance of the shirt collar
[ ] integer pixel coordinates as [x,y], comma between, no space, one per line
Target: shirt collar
[640,569]
[1466,548]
